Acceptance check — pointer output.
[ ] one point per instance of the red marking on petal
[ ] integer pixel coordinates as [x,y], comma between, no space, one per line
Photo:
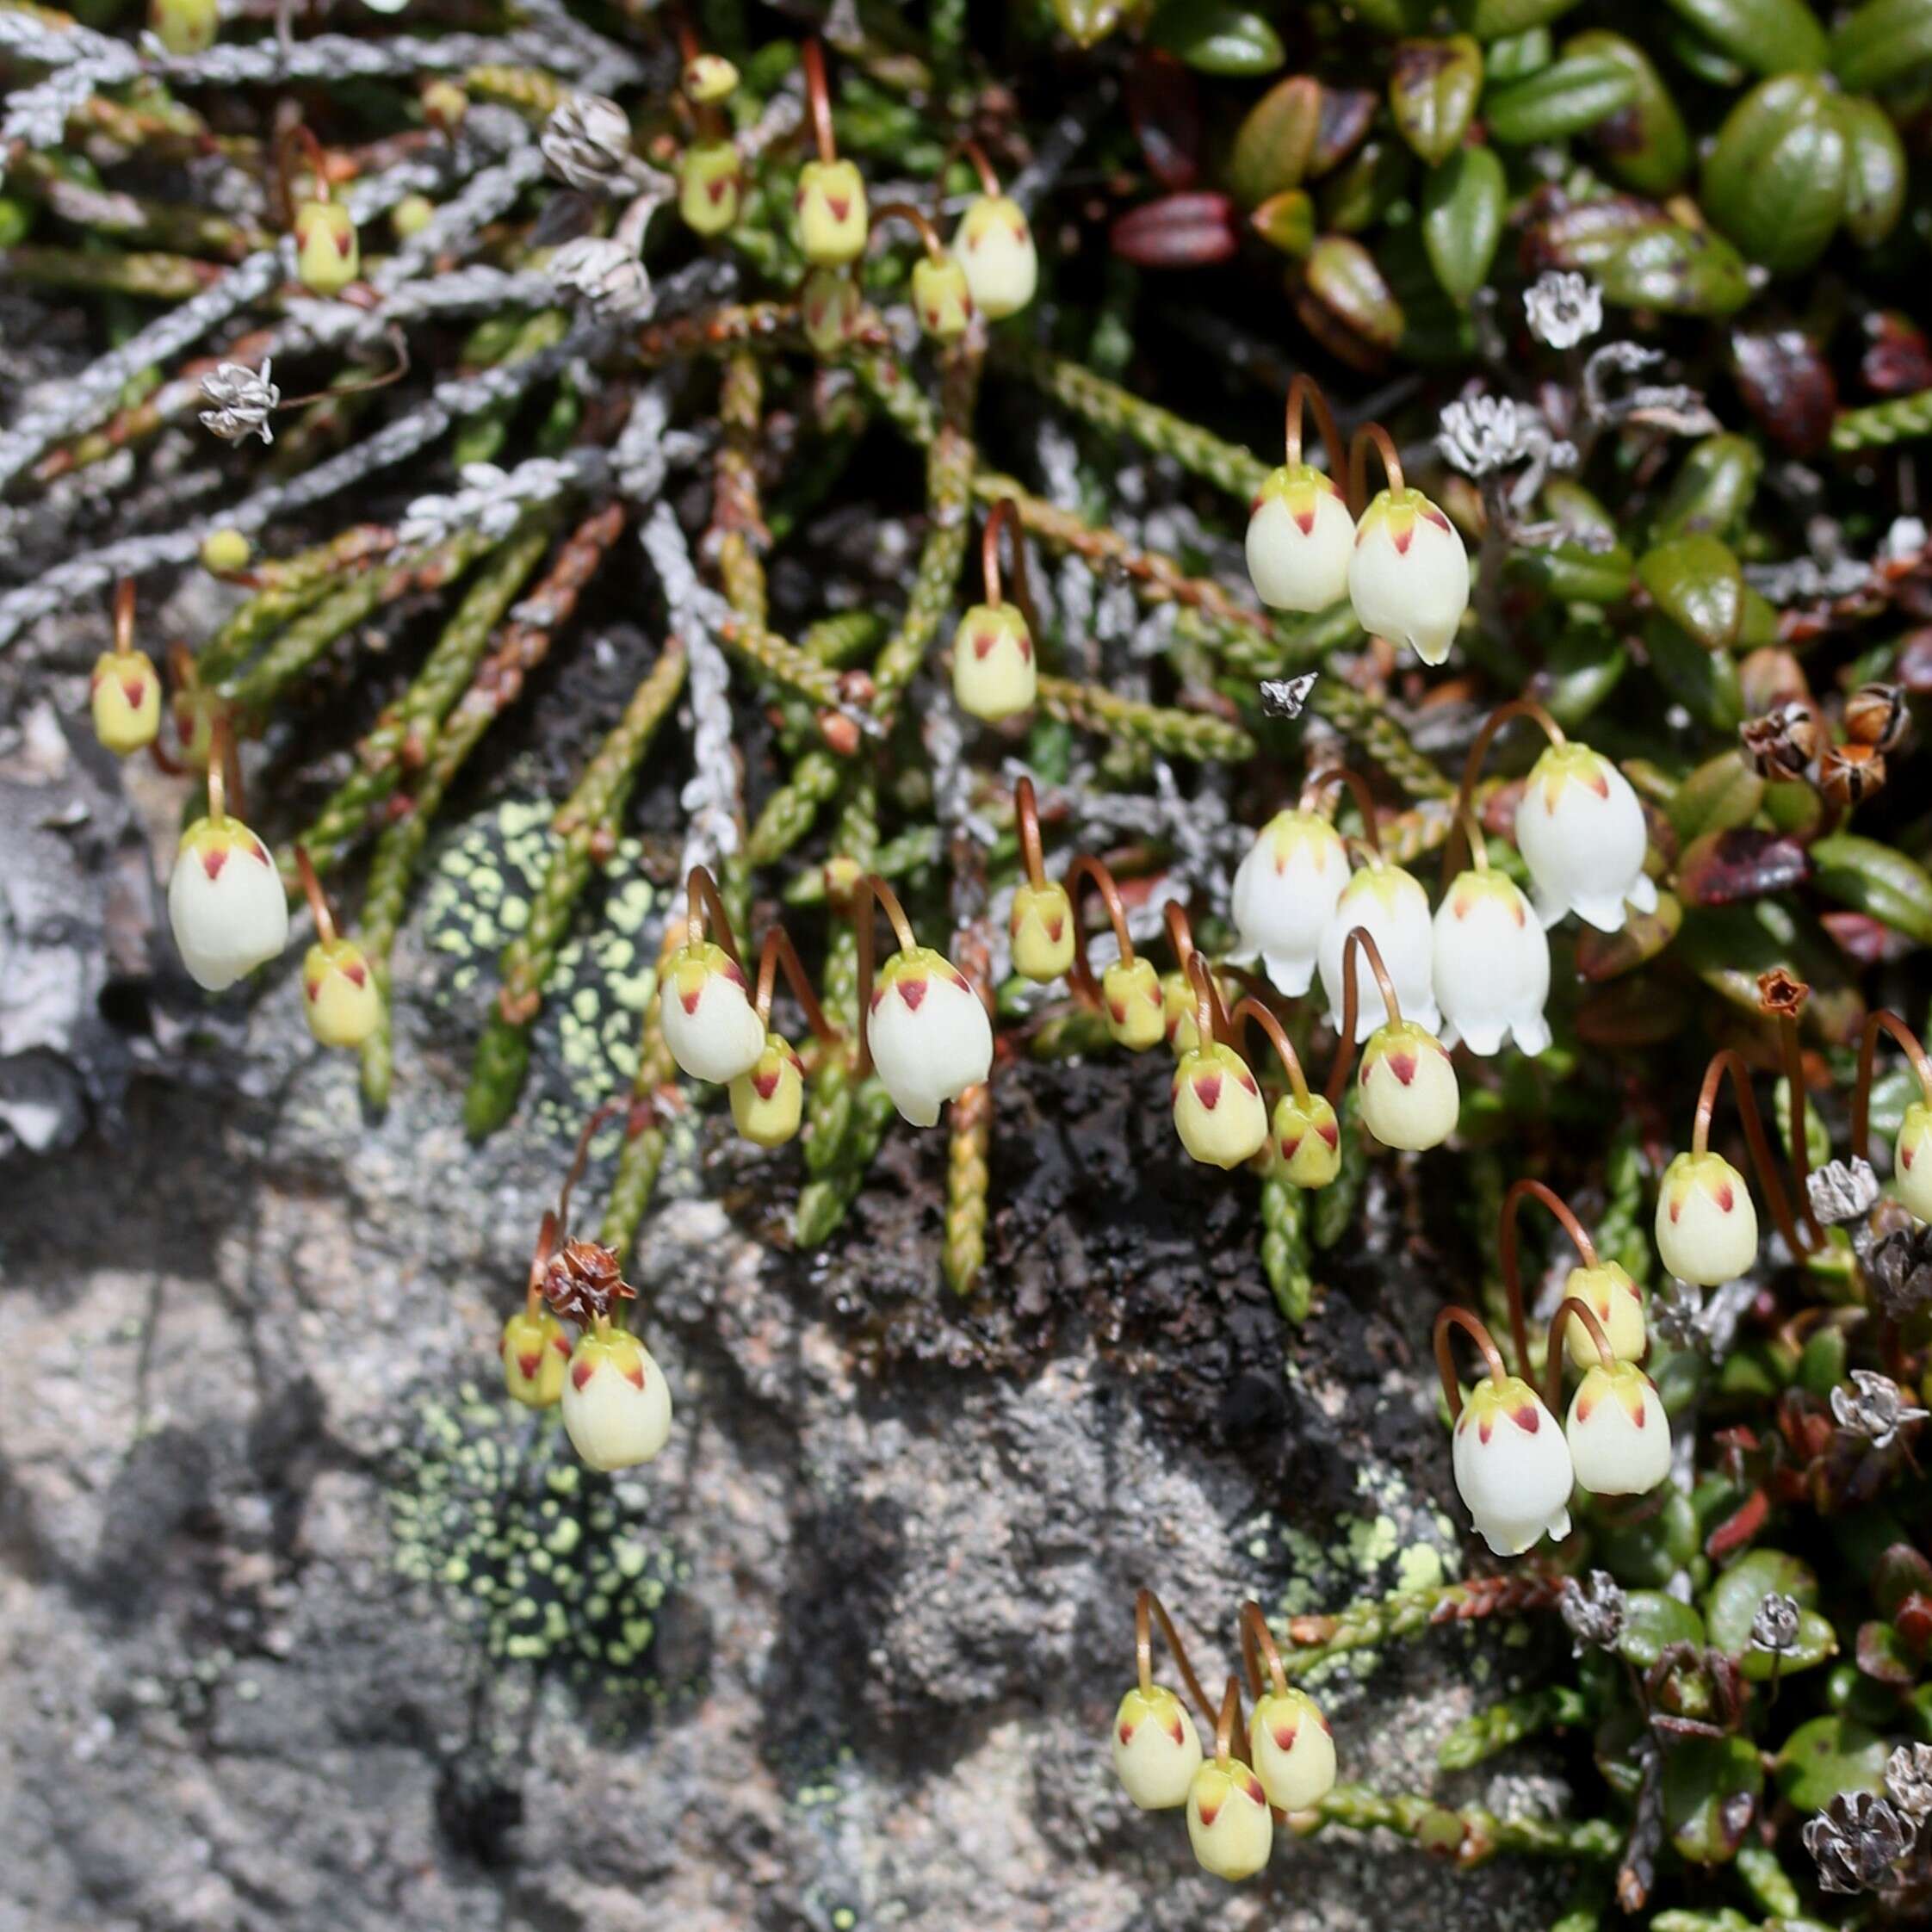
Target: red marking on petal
[1904,1157]
[1483,1430]
[983,641]
[717,189]
[1174,1730]
[1724,1197]
[690,999]
[634,1375]
[1583,1408]
[1305,520]
[732,973]
[1676,1208]
[356,974]
[911,992]
[765,1085]
[581,1373]
[1330,1131]
[529,1362]
[1057,926]
[1600,785]
[1126,1734]
[1258,500]
[1436,517]
[1639,1413]
[1209,1813]
[1118,1012]
[1516,910]
[312,988]
[1402,538]
[1527,1418]
[1402,1066]
[960,979]
[1247,1080]
[1284,1736]
[1207,1090]
[132,689]
[213,860]
[1025,650]
[1288,1148]
[561,1343]
[345,240]
[840,204]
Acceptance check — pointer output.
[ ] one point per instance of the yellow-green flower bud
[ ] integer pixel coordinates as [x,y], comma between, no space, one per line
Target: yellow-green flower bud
[1042,928]
[995,675]
[995,245]
[445,103]
[184,26]
[327,255]
[225,902]
[941,298]
[1706,1225]
[536,1351]
[830,306]
[225,552]
[1618,1433]
[832,217]
[1130,996]
[125,696]
[1292,1748]
[1219,1112]
[709,78]
[194,708]
[708,187]
[1409,1097]
[1156,1749]
[1911,1160]
[339,994]
[616,1405]
[1229,1822]
[768,1102]
[412,216]
[1307,1136]
[1617,1301]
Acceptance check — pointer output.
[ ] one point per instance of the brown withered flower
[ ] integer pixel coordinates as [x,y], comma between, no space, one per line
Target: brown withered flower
[584,1282]
[1783,742]
[1875,714]
[1781,996]
[1849,774]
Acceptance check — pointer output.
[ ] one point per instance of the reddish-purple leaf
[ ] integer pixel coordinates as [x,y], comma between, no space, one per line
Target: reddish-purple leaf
[1788,385]
[1722,868]
[1608,956]
[1881,1656]
[1901,1571]
[1898,359]
[1345,115]
[1864,940]
[1565,234]
[1164,105]
[1178,231]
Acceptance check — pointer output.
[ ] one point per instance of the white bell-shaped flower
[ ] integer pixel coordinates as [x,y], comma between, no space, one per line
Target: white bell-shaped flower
[1617,1301]
[929,1033]
[1390,905]
[995,245]
[1511,1467]
[1581,833]
[1156,1749]
[1911,1160]
[1409,577]
[1706,1225]
[705,1008]
[225,902]
[616,1405]
[1407,1088]
[1619,1434]
[1491,965]
[1292,1750]
[1229,1822]
[1301,540]
[1284,895]
[1219,1112]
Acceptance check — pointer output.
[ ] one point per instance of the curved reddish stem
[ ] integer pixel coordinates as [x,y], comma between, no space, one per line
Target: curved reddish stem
[1360,939]
[124,617]
[1027,816]
[1147,1611]
[1571,1309]
[318,899]
[1085,866]
[1727,1061]
[1005,512]
[1451,1318]
[702,900]
[1519,1191]
[778,951]
[225,778]
[904,211]
[1371,436]
[818,97]
[1800,1150]
[1319,785]
[1250,1008]
[875,888]
[1304,390]
[971,150]
[1257,1645]
[1885,1021]
[580,1161]
[1227,1723]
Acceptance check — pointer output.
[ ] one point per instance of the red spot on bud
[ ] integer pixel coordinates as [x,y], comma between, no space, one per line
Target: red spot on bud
[1330,1131]
[133,689]
[1288,1146]
[911,992]
[313,989]
[1285,1734]
[1583,1408]
[1402,1066]
[983,641]
[356,973]
[1209,1813]
[690,999]
[527,1362]
[213,859]
[1305,520]
[1057,926]
[1724,1197]
[1025,648]
[1126,1734]
[1483,1430]
[1247,1080]
[1527,1418]
[581,1373]
[717,189]
[1600,785]
[1207,1091]
[765,1085]
[635,1375]
[1436,517]
[840,204]
[1402,538]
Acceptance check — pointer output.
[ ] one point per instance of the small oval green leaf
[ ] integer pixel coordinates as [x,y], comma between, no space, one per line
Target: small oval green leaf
[1713,490]
[1875,879]
[1645,145]
[1567,97]
[1826,1757]
[1432,89]
[1217,39]
[1766,36]
[1775,181]
[1884,43]
[1697,582]
[1462,202]
[1275,141]
[1874,172]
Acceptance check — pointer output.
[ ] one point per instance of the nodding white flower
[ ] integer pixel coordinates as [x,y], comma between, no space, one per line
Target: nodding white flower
[1229,1822]
[1581,833]
[1308,1137]
[617,1405]
[239,401]
[1706,1226]
[1409,577]
[1292,1748]
[708,187]
[1284,895]
[602,273]
[1511,1467]
[1563,307]
[1219,1112]
[339,994]
[225,903]
[1041,926]
[1130,996]
[1912,1160]
[929,1035]
[832,217]
[830,303]
[1300,540]
[768,1100]
[536,1351]
[1156,1749]
[1409,1093]
[942,297]
[995,674]
[1392,906]
[705,1008]
[1491,965]
[125,696]
[995,245]
[1619,1434]
[1617,1301]
[328,256]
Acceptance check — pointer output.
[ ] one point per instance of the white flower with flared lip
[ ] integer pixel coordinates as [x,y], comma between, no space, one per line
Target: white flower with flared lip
[930,1035]
[1156,1749]
[1219,1112]
[1308,1137]
[995,245]
[1706,1225]
[1390,905]
[1617,1302]
[1229,1822]
[1409,577]
[1301,540]
[1911,1160]
[1409,1093]
[1581,833]
[617,1406]
[1284,895]
[1292,1750]
[1619,1434]
[1491,965]
[995,673]
[1511,1467]
[1136,1007]
[225,903]
[705,1008]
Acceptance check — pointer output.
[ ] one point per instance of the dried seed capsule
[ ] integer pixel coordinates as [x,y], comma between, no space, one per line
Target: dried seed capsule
[833,219]
[768,1101]
[1849,774]
[930,1035]
[1706,1225]
[536,1351]
[1292,1750]
[125,695]
[1619,1434]
[1156,1749]
[1490,959]
[616,1405]
[1783,742]
[1284,895]
[225,903]
[1301,540]
[1219,1110]
[1875,714]
[1408,576]
[1229,1822]
[993,246]
[339,995]
[1511,1467]
[1130,997]
[995,674]
[1409,1097]
[706,1011]
[1581,833]
[1041,925]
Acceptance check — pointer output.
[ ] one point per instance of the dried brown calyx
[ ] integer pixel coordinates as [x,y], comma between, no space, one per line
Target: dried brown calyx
[1783,742]
[584,1282]
[1781,996]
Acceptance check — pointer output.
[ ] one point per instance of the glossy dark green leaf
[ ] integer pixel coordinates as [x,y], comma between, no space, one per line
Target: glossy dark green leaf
[1684,271]
[1643,1552]
[1578,510]
[1348,114]
[1883,44]
[1722,792]
[1766,36]
[1708,62]
[1342,276]
[1462,202]
[1731,1602]
[1591,235]
[1645,145]
[1275,142]
[1775,181]
[1574,572]
[1712,1786]
[1433,90]
[1584,665]
[1357,195]
[1517,56]
[1875,170]
[1395,17]
[1568,98]
[1826,1757]
[1217,38]
[1704,682]
[1653,1622]
[1488,19]
[1697,582]
[1873,878]
[1286,221]
[1713,490]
